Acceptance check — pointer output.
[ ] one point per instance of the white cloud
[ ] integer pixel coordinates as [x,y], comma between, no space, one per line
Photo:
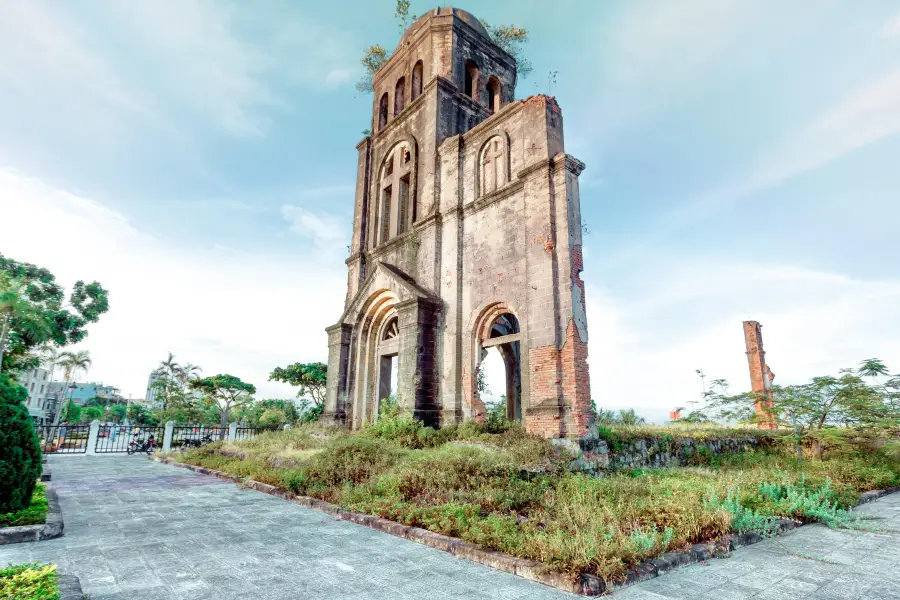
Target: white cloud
[328,232]
[240,313]
[645,347]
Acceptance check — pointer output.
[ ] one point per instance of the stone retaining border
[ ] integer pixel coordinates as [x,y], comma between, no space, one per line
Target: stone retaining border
[51,528]
[69,587]
[584,584]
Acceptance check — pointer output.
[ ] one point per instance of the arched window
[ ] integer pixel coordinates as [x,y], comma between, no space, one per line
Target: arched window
[471,88]
[399,96]
[383,111]
[505,337]
[493,165]
[493,90]
[396,206]
[416,82]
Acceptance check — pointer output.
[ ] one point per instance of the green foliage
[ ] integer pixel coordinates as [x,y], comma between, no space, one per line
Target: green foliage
[139,415]
[224,392]
[20,451]
[374,57]
[310,378]
[401,12]
[33,514]
[625,416]
[49,315]
[29,582]
[71,413]
[511,39]
[742,518]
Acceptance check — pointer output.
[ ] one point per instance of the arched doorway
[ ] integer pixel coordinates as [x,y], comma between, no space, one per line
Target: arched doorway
[388,363]
[504,336]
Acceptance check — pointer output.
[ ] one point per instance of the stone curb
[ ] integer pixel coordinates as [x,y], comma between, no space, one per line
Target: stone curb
[51,528]
[69,587]
[584,584]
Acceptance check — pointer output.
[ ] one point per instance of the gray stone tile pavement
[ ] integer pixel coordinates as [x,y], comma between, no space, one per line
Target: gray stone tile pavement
[137,529]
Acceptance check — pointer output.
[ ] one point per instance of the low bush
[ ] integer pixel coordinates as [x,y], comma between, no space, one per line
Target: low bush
[28,582]
[33,514]
[20,449]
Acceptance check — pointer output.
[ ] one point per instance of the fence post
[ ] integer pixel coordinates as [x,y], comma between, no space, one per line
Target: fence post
[232,432]
[287,426]
[167,436]
[93,436]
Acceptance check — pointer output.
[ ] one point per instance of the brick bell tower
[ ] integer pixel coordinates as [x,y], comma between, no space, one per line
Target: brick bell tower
[761,376]
[466,236]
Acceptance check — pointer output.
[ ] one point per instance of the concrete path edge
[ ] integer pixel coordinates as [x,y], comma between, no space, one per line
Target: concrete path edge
[584,584]
[51,528]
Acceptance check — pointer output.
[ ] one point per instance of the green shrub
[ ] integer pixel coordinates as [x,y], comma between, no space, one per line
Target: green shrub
[20,450]
[29,582]
[34,514]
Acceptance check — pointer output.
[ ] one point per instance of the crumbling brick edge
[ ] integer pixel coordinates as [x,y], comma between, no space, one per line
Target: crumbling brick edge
[51,528]
[584,584]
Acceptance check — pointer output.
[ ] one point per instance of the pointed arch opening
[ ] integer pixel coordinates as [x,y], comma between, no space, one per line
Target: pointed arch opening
[493,90]
[471,80]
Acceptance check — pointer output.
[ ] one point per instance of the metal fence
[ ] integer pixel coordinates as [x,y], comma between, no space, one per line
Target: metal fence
[117,438]
[197,435]
[63,439]
[248,433]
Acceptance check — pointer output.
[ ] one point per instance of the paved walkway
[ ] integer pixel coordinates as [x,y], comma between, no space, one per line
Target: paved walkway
[136,530]
[140,530]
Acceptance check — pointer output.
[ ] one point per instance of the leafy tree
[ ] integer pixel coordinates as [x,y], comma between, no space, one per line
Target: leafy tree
[225,392]
[374,57]
[72,363]
[268,413]
[66,319]
[606,417]
[116,413]
[20,320]
[138,414]
[310,378]
[511,39]
[70,412]
[20,450]
[91,413]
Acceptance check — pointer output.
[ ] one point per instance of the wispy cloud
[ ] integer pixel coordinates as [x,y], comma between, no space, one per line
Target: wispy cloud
[328,232]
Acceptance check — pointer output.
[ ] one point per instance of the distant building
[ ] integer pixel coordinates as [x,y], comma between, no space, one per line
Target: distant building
[86,391]
[37,383]
[150,400]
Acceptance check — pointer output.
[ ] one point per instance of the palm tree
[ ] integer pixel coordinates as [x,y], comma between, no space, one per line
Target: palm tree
[168,367]
[16,309]
[72,363]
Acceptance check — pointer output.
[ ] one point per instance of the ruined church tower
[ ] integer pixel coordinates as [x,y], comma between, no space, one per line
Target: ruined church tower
[466,236]
[761,376]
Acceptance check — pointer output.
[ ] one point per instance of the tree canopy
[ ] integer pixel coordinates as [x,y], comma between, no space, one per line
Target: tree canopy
[42,313]
[225,392]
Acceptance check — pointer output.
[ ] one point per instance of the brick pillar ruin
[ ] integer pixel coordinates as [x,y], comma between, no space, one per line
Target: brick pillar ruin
[761,376]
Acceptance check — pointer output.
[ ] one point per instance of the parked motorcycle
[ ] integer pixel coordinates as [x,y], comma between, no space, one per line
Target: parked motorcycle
[148,446]
[195,443]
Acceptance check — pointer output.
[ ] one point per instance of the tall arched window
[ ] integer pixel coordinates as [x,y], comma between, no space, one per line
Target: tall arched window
[399,96]
[493,90]
[396,206]
[493,165]
[383,111]
[471,86]
[416,82]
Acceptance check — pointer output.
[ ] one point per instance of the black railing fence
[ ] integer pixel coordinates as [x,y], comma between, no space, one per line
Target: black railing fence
[63,439]
[195,435]
[117,438]
[248,433]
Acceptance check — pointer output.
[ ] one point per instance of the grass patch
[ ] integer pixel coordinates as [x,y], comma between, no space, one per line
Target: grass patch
[506,490]
[34,514]
[29,582]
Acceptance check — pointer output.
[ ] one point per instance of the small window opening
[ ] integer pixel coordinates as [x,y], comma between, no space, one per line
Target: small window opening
[383,111]
[493,90]
[471,85]
[403,203]
[389,167]
[399,96]
[404,152]
[416,81]
[385,214]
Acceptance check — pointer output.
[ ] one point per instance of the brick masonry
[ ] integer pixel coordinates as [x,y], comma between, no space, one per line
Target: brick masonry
[761,375]
[467,211]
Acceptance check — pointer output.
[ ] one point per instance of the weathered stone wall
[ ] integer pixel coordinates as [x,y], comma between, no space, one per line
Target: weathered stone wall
[594,455]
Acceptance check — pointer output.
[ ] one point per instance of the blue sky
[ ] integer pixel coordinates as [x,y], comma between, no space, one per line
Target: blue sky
[198,158]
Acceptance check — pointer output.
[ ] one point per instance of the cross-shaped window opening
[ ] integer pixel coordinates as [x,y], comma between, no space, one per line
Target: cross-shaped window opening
[493,170]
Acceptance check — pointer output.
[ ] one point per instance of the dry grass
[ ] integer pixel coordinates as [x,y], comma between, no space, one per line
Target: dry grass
[512,492]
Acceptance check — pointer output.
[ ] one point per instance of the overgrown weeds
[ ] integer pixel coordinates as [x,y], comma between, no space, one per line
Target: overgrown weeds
[512,492]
